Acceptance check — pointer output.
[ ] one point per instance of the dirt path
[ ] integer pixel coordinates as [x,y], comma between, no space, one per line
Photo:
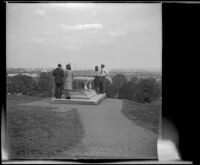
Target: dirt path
[108,133]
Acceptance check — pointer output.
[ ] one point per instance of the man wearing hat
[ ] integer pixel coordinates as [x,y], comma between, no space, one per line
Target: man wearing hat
[103,73]
[97,79]
[58,74]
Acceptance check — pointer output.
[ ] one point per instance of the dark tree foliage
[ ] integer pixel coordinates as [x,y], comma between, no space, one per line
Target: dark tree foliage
[45,84]
[141,90]
[29,86]
[150,88]
[134,79]
[118,81]
[129,91]
[20,84]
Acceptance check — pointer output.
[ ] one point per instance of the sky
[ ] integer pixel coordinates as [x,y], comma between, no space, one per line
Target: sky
[119,35]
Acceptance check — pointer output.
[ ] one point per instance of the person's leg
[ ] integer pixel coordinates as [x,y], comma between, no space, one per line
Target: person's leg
[66,90]
[56,91]
[103,85]
[100,85]
[67,94]
[69,88]
[97,90]
[95,84]
[69,91]
[62,90]
[59,91]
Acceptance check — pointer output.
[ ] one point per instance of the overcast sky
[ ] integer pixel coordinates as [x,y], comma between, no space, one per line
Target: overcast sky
[120,35]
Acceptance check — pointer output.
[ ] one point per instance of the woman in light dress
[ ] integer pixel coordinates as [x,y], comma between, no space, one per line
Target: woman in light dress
[68,81]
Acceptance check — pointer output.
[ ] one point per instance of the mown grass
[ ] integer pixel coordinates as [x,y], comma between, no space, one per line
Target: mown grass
[15,99]
[145,115]
[40,132]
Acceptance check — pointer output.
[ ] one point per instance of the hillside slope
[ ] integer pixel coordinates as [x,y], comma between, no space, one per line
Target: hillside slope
[113,129]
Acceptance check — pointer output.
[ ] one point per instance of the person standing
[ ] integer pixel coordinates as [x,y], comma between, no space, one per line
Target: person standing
[104,72]
[97,80]
[58,74]
[68,81]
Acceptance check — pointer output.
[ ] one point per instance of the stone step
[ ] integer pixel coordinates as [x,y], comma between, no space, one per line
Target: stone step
[92,101]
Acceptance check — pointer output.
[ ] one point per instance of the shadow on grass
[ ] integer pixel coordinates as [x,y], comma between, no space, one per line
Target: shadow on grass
[145,115]
[40,133]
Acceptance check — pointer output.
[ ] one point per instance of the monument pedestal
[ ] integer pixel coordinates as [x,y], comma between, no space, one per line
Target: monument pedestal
[92,101]
[82,93]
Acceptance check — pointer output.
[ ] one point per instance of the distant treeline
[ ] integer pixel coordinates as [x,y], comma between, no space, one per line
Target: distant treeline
[137,89]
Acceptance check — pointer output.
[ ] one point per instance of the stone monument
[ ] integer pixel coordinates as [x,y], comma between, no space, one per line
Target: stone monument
[82,93]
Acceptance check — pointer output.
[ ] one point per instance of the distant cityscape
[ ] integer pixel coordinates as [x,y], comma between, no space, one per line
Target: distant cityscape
[128,73]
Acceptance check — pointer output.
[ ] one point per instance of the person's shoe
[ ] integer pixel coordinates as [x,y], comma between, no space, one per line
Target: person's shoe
[68,97]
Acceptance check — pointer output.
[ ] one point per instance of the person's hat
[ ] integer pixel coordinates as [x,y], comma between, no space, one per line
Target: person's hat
[96,68]
[59,65]
[68,66]
[102,65]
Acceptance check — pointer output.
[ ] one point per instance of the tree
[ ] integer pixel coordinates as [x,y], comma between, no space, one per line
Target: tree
[109,89]
[20,84]
[141,90]
[134,79]
[128,91]
[27,82]
[149,90]
[118,81]
[45,83]
[8,83]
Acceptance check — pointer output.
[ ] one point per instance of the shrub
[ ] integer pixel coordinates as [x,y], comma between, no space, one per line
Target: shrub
[143,90]
[118,81]
[45,84]
[20,84]
[29,86]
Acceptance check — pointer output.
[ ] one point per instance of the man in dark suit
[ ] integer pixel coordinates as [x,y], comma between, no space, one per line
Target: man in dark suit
[58,74]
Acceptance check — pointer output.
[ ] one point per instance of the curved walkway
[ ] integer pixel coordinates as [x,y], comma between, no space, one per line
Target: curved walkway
[108,134]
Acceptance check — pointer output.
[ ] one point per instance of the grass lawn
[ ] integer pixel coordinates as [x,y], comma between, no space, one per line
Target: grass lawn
[145,115]
[40,132]
[14,99]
